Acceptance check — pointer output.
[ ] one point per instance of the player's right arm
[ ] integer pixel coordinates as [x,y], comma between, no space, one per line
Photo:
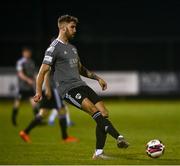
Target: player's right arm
[47,85]
[49,58]
[39,81]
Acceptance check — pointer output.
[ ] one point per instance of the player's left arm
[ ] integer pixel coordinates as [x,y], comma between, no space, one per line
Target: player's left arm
[89,74]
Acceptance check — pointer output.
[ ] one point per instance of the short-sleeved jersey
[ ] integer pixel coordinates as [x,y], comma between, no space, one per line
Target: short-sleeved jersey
[63,59]
[27,66]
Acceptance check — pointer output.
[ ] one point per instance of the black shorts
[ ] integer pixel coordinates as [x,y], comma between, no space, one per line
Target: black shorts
[55,102]
[75,96]
[25,94]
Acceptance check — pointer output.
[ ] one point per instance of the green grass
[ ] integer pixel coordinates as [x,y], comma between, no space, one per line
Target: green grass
[139,121]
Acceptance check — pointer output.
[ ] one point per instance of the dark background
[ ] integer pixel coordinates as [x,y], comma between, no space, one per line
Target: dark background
[121,35]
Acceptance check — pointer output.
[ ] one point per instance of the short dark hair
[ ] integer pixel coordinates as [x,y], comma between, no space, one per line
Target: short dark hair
[26,48]
[67,19]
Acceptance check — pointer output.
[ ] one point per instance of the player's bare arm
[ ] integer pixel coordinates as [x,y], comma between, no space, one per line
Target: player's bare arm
[39,81]
[89,74]
[22,76]
[47,85]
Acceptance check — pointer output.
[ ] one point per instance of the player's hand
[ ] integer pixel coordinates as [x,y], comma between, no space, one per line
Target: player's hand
[103,84]
[30,81]
[37,97]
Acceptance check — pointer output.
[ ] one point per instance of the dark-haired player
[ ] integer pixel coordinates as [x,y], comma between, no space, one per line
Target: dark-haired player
[25,67]
[50,101]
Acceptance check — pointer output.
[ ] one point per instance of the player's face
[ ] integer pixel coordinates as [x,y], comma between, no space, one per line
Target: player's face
[70,30]
[27,53]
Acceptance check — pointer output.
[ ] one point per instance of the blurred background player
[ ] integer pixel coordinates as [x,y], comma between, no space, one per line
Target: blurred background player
[50,101]
[54,114]
[25,67]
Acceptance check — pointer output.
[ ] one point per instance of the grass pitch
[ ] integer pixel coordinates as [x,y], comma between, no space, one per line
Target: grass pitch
[139,121]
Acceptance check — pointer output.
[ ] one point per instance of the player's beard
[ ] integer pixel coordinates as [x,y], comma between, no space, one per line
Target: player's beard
[69,35]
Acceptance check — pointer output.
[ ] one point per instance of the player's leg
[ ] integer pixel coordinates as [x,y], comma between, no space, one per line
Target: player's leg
[78,97]
[15,111]
[100,135]
[52,117]
[68,119]
[103,126]
[61,112]
[62,122]
[86,99]
[37,120]
[63,126]
[104,112]
[54,114]
[101,132]
[97,101]
[58,103]
[24,134]
[121,142]
[34,106]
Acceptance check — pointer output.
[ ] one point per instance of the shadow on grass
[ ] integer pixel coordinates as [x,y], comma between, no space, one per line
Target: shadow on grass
[143,158]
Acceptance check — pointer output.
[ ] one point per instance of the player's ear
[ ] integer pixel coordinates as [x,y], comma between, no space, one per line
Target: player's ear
[63,27]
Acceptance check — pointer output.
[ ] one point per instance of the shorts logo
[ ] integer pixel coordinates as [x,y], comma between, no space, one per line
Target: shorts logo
[78,96]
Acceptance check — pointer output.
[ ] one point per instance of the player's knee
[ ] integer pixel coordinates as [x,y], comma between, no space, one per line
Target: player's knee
[16,103]
[43,113]
[88,106]
[62,111]
[105,114]
[33,104]
[91,109]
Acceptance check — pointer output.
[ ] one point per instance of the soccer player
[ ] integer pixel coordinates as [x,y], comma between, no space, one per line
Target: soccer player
[50,101]
[63,58]
[54,114]
[26,82]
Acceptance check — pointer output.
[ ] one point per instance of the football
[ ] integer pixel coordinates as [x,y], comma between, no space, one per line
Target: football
[155,148]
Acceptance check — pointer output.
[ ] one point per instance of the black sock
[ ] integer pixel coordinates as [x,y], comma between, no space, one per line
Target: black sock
[63,126]
[105,125]
[110,129]
[100,138]
[14,115]
[37,120]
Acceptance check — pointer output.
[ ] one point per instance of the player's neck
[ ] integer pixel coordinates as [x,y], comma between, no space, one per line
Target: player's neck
[62,39]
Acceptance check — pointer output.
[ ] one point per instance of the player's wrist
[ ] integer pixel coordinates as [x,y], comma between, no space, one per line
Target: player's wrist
[29,80]
[38,92]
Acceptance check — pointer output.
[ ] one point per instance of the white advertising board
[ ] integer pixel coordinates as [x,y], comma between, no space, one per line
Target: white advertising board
[118,83]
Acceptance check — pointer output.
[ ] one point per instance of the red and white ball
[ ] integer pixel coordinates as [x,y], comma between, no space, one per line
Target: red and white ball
[155,148]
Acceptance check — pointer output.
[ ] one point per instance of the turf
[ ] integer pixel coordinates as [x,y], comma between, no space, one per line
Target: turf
[139,121]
